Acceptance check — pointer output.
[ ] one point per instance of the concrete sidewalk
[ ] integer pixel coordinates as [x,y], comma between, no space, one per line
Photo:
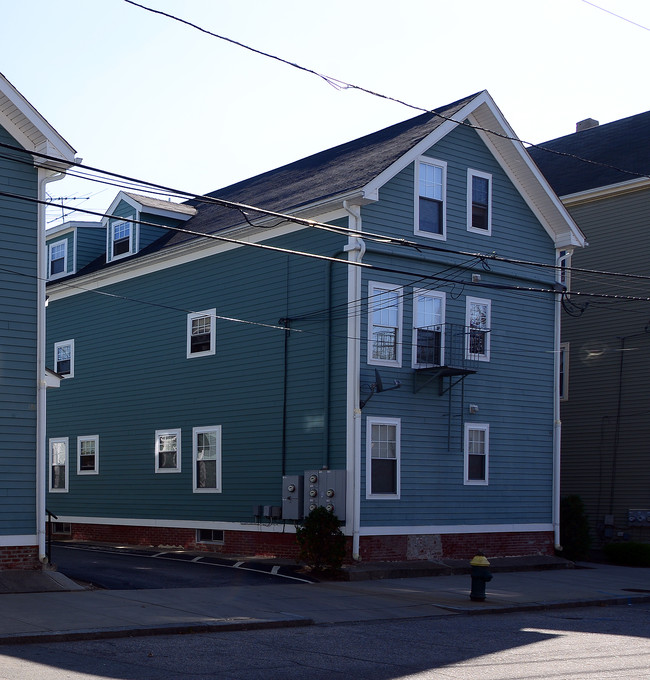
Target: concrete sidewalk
[86,614]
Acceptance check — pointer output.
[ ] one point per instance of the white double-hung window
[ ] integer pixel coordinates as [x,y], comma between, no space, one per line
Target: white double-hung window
[201,333]
[479,202]
[428,328]
[477,446]
[431,179]
[383,458]
[121,239]
[168,451]
[478,322]
[88,455]
[58,465]
[384,324]
[206,459]
[58,258]
[64,358]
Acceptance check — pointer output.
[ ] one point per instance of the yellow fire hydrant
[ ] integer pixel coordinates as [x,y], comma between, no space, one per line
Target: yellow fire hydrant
[480,576]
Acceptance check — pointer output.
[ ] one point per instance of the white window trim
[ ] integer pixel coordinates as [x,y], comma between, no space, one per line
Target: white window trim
[485,427]
[212,314]
[370,421]
[50,276]
[373,289]
[63,344]
[485,175]
[132,239]
[57,440]
[195,432]
[433,294]
[85,438]
[564,374]
[177,433]
[468,303]
[440,164]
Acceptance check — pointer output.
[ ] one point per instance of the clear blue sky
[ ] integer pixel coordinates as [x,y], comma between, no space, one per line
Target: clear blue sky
[146,96]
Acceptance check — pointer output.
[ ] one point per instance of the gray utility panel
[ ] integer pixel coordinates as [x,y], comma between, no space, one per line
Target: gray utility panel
[325,488]
[302,493]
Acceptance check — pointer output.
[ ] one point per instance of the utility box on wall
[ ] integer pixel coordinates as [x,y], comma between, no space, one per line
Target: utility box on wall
[325,488]
[292,496]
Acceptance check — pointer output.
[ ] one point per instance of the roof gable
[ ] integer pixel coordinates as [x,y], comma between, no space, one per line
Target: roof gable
[26,125]
[357,170]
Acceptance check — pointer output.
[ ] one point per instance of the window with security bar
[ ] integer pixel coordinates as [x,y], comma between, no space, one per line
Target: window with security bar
[385,324]
[428,331]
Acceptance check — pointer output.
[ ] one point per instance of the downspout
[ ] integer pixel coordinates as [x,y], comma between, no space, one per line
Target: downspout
[355,249]
[557,422]
[44,177]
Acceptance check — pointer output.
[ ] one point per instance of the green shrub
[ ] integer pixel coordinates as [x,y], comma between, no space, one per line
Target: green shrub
[322,543]
[574,528]
[629,554]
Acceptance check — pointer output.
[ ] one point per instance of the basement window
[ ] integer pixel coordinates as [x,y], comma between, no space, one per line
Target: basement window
[209,536]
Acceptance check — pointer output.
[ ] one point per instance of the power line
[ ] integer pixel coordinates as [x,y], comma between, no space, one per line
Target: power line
[343,85]
[241,207]
[618,16]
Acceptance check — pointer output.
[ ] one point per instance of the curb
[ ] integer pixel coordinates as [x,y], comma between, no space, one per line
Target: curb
[227,625]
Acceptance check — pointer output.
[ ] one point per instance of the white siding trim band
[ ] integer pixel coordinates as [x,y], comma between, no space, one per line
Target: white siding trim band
[18,541]
[456,529]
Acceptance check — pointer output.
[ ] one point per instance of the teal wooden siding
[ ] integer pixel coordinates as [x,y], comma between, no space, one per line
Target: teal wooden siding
[18,328]
[131,367]
[91,244]
[514,390]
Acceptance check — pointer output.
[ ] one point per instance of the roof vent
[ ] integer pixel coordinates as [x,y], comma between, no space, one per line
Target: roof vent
[586,124]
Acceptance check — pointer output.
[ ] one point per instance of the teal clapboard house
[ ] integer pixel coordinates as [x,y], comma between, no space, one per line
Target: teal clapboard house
[354,344]
[23,375]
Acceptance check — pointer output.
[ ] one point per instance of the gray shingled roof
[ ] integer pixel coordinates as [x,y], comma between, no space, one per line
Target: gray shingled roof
[337,171]
[162,204]
[617,147]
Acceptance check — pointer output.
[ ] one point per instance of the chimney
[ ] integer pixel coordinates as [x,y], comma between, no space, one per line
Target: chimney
[586,124]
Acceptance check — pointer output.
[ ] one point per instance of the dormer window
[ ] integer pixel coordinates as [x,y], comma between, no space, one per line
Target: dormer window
[57,258]
[121,239]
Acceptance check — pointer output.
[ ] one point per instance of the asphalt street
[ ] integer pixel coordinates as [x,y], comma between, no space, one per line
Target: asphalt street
[587,643]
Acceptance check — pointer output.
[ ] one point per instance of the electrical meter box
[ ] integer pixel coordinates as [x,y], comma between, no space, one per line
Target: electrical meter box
[292,496]
[325,488]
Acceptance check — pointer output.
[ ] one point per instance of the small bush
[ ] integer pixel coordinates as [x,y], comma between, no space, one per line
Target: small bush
[630,554]
[574,528]
[322,543]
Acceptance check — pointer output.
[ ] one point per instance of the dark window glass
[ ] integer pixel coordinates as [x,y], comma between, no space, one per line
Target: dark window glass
[430,215]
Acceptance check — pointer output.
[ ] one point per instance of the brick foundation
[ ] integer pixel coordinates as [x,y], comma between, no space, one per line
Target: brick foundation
[19,557]
[284,546]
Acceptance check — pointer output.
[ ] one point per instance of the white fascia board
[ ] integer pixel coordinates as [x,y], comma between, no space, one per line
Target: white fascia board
[524,174]
[25,124]
[608,191]
[453,529]
[196,249]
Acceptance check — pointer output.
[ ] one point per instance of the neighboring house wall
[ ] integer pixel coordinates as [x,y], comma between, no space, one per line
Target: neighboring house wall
[606,423]
[18,333]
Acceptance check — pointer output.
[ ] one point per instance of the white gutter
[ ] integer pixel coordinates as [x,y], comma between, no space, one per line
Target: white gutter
[557,422]
[355,249]
[44,177]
